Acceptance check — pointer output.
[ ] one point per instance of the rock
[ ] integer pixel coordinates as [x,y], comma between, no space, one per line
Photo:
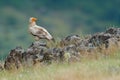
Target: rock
[72,49]
[38,44]
[114,31]
[34,54]
[112,42]
[71,54]
[100,39]
[54,55]
[74,39]
[14,59]
[111,30]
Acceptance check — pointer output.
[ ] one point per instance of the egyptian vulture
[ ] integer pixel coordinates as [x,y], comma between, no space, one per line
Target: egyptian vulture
[37,31]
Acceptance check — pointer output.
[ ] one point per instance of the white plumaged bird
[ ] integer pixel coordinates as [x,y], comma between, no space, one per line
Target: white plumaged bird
[37,31]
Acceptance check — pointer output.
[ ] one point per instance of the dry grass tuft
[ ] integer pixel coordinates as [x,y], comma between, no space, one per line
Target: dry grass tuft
[100,69]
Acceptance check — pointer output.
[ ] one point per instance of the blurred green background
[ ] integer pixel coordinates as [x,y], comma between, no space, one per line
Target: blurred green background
[60,17]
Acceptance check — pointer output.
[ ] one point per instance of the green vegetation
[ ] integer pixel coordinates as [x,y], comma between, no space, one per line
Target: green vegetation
[60,17]
[100,69]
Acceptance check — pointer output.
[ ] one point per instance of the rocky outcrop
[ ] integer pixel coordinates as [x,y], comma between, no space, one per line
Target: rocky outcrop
[14,59]
[71,49]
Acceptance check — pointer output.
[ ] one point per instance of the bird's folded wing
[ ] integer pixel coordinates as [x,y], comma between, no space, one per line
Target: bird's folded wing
[40,31]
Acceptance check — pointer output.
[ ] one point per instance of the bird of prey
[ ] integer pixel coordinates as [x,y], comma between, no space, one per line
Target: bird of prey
[37,31]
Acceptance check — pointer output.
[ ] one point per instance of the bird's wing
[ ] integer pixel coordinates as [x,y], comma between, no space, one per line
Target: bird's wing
[42,32]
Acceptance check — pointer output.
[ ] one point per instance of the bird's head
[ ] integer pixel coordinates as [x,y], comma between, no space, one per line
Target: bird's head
[32,19]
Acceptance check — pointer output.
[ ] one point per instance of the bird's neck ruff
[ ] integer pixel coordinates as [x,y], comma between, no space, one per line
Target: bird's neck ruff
[32,24]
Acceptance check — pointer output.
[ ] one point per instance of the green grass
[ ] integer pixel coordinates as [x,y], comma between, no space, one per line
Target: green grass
[100,69]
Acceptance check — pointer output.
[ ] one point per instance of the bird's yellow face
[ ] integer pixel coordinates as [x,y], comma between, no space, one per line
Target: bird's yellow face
[32,19]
